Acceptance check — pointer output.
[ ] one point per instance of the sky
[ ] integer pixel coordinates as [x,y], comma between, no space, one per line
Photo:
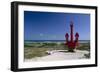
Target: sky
[54,25]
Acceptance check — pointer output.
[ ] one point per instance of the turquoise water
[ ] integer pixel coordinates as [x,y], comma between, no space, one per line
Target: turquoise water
[54,41]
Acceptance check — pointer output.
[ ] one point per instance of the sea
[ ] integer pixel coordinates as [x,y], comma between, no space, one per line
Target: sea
[53,41]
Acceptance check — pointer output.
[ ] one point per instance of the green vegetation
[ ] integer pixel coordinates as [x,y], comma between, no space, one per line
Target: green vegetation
[34,52]
[84,46]
[36,49]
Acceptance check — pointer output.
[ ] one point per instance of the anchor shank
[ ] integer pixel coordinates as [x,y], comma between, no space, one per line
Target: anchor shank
[71,34]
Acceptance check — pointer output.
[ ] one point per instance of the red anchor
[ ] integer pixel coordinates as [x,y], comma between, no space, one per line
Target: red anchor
[72,43]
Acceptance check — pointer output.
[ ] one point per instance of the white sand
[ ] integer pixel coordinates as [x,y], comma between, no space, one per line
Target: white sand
[58,55]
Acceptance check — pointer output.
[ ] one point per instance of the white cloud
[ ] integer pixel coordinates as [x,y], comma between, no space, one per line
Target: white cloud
[41,34]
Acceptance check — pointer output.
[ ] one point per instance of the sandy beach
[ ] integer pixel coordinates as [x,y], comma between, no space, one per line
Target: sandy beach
[60,55]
